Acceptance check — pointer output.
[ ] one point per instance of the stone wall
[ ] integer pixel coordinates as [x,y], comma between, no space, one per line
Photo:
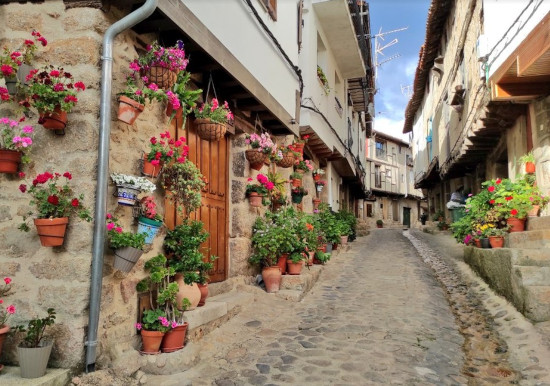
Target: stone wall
[54,277]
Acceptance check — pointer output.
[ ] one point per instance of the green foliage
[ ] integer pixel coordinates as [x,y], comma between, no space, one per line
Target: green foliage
[35,329]
[155,320]
[183,181]
[529,157]
[379,222]
[296,257]
[142,94]
[322,256]
[348,223]
[438,214]
[329,224]
[185,95]
[120,239]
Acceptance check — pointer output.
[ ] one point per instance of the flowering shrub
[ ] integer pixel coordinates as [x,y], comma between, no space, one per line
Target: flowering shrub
[320,183]
[318,172]
[140,183]
[14,137]
[304,165]
[167,149]
[154,320]
[142,94]
[11,60]
[214,111]
[172,58]
[149,208]
[52,87]
[302,139]
[5,313]
[263,188]
[120,239]
[53,199]
[262,143]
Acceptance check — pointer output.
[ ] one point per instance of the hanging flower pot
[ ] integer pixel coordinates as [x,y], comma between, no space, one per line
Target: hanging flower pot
[516,224]
[210,131]
[298,148]
[126,258]
[294,268]
[297,198]
[174,339]
[530,167]
[256,158]
[161,76]
[150,227]
[316,203]
[296,182]
[150,170]
[54,120]
[170,110]
[319,188]
[9,161]
[127,194]
[51,230]
[496,241]
[129,109]
[150,341]
[287,160]
[255,199]
[272,279]
[204,293]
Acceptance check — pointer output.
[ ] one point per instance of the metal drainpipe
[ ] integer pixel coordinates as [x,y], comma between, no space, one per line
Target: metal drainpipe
[102,172]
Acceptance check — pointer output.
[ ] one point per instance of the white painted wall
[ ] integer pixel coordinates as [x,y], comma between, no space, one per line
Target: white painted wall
[233,23]
[499,15]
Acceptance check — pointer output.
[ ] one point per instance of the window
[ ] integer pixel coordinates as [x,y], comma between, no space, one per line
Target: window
[377,177]
[369,210]
[380,149]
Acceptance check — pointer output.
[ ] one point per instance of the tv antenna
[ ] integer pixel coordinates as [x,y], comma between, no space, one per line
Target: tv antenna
[380,47]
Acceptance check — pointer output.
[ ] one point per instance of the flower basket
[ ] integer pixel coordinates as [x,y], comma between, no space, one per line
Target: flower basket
[150,227]
[210,131]
[255,200]
[287,161]
[9,161]
[129,109]
[126,258]
[256,158]
[127,194]
[51,230]
[174,339]
[33,361]
[161,76]
[55,120]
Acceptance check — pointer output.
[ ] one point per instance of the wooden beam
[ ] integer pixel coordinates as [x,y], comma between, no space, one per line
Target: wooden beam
[535,45]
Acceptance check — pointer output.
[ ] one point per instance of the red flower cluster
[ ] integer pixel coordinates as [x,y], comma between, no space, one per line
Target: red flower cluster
[42,178]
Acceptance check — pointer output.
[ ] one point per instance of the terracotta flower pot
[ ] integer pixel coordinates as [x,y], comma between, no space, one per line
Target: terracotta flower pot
[210,131]
[294,268]
[51,230]
[174,339]
[204,293]
[516,224]
[272,278]
[4,329]
[281,263]
[255,199]
[477,242]
[150,341]
[316,203]
[334,246]
[496,241]
[150,170]
[170,110]
[343,240]
[296,183]
[311,256]
[256,158]
[534,212]
[54,120]
[189,291]
[9,161]
[128,109]
[529,167]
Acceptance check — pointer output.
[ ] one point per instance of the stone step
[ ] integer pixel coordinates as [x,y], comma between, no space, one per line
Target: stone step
[539,238]
[11,376]
[302,282]
[530,257]
[533,276]
[536,223]
[537,303]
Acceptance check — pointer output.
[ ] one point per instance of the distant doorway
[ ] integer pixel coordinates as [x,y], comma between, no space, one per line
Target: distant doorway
[407,217]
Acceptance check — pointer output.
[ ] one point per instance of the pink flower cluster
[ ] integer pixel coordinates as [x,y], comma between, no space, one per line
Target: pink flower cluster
[149,207]
[9,310]
[12,136]
[262,179]
[261,142]
[112,225]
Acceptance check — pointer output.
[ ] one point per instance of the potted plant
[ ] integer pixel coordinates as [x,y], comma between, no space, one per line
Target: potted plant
[303,166]
[296,179]
[5,313]
[161,65]
[129,187]
[319,185]
[295,263]
[496,236]
[15,143]
[529,161]
[298,194]
[323,79]
[160,283]
[317,173]
[256,192]
[154,324]
[287,156]
[34,351]
[149,221]
[55,203]
[52,91]
[132,99]
[379,223]
[211,119]
[127,246]
[183,182]
[182,245]
[510,200]
[261,147]
[163,150]
[299,144]
[15,65]
[181,98]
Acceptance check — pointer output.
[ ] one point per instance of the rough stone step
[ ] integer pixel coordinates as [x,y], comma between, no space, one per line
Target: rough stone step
[11,376]
[536,223]
[529,239]
[302,282]
[537,303]
[530,257]
[533,276]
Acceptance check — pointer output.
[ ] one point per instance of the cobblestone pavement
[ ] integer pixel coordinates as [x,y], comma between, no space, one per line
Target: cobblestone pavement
[377,315]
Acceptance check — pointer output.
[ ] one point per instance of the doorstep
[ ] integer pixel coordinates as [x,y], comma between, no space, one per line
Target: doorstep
[11,376]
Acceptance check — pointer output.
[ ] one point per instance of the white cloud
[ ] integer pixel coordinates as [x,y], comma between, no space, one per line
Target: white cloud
[410,68]
[391,127]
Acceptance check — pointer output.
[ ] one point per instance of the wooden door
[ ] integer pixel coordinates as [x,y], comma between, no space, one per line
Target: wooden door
[212,160]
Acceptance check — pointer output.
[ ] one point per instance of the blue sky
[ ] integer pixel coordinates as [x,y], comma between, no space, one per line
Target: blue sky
[389,15]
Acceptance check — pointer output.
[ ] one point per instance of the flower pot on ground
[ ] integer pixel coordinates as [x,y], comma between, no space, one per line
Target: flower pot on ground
[534,212]
[379,223]
[496,241]
[477,243]
[154,324]
[485,243]
[272,278]
[204,293]
[151,341]
[188,291]
[311,256]
[129,109]
[281,263]
[516,224]
[295,263]
[174,339]
[344,239]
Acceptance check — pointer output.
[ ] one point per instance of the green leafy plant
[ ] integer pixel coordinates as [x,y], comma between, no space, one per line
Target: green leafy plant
[15,137]
[154,320]
[529,157]
[296,176]
[214,111]
[183,181]
[322,256]
[496,232]
[328,223]
[120,239]
[186,98]
[323,78]
[35,329]
[142,94]
[439,214]
[379,222]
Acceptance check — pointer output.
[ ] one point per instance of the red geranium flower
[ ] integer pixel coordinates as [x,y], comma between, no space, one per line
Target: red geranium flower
[53,199]
[491,189]
[492,202]
[75,202]
[514,212]
[498,181]
[23,188]
[509,198]
[68,175]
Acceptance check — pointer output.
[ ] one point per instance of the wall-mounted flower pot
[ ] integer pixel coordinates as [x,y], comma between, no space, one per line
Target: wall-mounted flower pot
[34,361]
[529,168]
[126,258]
[255,200]
[9,161]
[150,170]
[210,131]
[51,231]
[150,227]
[298,148]
[151,341]
[129,109]
[256,158]
[54,120]
[272,279]
[319,188]
[281,263]
[297,198]
[287,160]
[21,75]
[296,182]
[174,339]
[316,177]
[127,194]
